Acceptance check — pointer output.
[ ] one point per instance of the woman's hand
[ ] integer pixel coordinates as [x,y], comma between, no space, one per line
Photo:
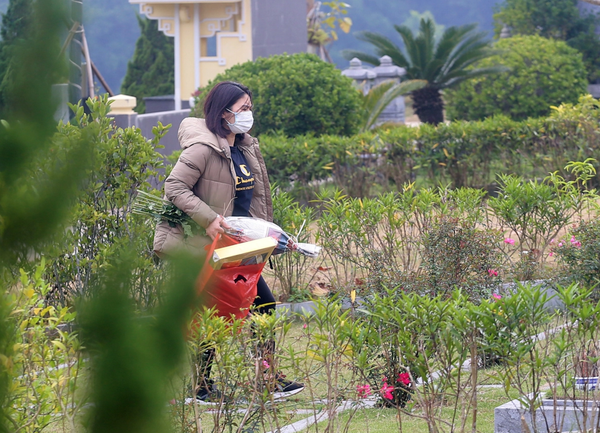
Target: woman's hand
[217,226]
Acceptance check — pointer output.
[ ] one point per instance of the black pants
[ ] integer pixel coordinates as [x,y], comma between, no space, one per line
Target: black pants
[264,301]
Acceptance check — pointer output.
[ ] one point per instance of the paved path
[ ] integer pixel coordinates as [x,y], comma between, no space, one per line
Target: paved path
[323,415]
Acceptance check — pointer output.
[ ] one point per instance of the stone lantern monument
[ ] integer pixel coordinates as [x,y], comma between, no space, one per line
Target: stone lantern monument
[367,78]
[388,71]
[361,76]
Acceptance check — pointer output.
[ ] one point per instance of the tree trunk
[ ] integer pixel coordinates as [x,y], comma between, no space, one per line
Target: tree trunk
[428,105]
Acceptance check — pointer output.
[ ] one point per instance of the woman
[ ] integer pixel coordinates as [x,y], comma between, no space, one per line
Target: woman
[221,172]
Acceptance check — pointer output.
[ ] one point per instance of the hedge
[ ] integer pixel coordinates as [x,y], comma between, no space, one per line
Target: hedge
[460,153]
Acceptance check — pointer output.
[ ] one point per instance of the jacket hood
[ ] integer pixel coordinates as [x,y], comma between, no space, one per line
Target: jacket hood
[193,130]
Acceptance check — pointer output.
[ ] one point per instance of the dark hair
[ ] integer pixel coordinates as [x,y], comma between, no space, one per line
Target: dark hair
[221,97]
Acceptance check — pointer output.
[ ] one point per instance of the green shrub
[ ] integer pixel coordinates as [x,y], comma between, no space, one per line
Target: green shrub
[579,255]
[543,73]
[48,367]
[456,254]
[295,94]
[101,222]
[399,240]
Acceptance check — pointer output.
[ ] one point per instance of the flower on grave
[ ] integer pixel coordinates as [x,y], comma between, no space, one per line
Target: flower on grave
[509,241]
[363,390]
[404,378]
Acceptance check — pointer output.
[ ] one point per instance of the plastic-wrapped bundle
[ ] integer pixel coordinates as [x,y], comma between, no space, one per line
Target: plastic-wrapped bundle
[247,229]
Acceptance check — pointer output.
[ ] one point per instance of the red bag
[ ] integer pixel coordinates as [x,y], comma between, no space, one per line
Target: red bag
[231,290]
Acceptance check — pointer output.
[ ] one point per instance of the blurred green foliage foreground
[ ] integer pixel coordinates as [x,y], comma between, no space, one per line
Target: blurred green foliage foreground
[131,358]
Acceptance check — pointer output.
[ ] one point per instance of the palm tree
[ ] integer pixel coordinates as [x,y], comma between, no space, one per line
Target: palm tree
[443,64]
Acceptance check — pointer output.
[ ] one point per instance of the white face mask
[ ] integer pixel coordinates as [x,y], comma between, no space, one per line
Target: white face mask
[243,122]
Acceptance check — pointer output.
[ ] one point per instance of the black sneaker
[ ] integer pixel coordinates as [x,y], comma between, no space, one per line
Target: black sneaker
[285,388]
[210,395]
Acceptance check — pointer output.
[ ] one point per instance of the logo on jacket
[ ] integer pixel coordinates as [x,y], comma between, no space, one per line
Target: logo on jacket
[244,169]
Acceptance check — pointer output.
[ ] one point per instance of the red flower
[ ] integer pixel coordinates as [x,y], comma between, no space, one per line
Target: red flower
[386,391]
[404,378]
[363,390]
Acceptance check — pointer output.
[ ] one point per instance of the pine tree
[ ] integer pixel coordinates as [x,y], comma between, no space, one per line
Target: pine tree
[151,71]
[16,28]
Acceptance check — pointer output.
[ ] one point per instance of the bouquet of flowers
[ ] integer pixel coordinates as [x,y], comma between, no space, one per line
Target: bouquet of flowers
[243,229]
[247,229]
[163,210]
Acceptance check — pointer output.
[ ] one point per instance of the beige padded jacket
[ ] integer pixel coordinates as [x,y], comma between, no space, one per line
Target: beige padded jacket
[202,184]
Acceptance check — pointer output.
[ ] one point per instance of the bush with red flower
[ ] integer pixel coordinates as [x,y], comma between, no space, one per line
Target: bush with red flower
[398,392]
[578,256]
